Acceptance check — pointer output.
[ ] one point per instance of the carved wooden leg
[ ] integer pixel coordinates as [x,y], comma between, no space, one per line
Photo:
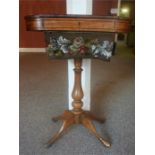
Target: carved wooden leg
[77,115]
[93,117]
[89,125]
[68,120]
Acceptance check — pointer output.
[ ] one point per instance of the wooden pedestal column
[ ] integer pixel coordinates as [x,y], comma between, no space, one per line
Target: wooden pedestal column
[77,115]
[77,93]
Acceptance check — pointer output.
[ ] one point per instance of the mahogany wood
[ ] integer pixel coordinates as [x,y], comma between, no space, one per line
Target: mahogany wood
[77,23]
[77,115]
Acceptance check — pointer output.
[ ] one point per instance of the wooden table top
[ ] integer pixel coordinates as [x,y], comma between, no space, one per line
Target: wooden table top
[46,22]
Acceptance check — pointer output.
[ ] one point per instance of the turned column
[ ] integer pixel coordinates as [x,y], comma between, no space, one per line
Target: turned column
[77,93]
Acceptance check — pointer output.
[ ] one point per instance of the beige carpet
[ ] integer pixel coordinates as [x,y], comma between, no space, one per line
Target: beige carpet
[43,94]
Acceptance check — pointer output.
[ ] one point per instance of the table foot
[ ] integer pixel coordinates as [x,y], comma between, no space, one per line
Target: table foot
[87,123]
[69,118]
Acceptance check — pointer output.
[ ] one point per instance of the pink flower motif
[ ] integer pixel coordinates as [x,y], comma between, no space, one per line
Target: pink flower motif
[78,42]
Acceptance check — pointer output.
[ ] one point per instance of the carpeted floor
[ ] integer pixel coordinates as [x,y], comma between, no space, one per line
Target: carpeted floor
[43,94]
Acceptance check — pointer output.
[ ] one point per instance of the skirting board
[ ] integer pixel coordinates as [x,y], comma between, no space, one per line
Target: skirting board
[32,49]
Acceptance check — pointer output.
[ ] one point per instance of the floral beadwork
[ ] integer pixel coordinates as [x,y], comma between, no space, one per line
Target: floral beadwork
[62,47]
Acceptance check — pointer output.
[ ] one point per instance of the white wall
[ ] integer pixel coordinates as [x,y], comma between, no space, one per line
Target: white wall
[79,7]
